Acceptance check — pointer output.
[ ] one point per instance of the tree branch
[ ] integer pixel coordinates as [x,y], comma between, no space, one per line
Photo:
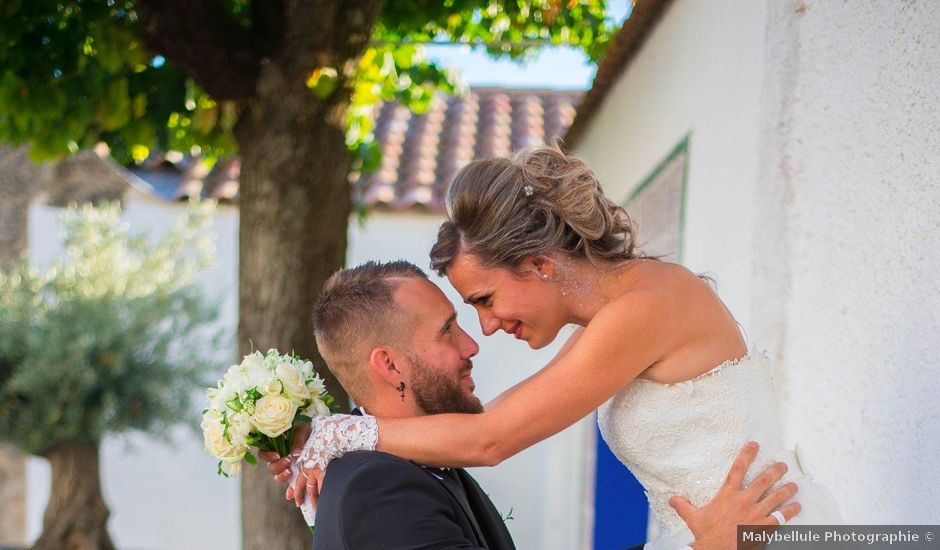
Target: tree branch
[202,39]
[267,19]
[325,33]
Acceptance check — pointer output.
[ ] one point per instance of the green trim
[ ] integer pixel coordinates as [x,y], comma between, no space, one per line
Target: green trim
[680,148]
[683,201]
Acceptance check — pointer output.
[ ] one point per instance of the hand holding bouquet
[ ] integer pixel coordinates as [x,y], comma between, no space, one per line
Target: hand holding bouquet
[257,404]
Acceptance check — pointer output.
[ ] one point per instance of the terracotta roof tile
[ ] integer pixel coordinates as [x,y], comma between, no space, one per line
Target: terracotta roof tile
[421,153]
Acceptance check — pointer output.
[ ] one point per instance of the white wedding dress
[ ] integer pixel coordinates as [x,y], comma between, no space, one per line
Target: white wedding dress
[680,439]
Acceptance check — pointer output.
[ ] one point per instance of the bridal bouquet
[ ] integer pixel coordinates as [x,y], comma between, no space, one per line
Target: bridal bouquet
[256,404]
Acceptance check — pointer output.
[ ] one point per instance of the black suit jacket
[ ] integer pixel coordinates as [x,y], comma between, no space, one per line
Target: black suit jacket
[374,500]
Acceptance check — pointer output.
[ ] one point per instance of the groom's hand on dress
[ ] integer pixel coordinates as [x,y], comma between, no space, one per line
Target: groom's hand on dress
[715,524]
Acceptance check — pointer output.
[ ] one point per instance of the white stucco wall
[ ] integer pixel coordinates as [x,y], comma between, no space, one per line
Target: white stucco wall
[699,74]
[814,198]
[848,245]
[169,497]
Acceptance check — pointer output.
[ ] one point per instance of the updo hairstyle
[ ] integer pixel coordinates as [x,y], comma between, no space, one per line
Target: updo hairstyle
[538,202]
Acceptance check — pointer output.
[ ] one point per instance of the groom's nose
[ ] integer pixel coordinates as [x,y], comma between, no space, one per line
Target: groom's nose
[468,346]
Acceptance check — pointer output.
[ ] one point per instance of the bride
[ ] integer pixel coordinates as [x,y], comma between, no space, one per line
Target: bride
[533,244]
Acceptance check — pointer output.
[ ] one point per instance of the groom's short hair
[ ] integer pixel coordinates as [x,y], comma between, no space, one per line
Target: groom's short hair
[355,313]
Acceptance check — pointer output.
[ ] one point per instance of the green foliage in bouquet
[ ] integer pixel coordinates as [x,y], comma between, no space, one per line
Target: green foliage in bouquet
[107,339]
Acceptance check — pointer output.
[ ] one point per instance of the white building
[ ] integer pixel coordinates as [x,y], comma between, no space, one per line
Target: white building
[791,149]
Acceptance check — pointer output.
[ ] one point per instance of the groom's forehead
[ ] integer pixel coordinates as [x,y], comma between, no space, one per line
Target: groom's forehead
[413,288]
[421,296]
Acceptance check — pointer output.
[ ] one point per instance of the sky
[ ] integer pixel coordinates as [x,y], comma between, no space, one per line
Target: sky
[556,68]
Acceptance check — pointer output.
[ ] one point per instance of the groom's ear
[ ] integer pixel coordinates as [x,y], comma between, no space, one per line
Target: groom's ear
[382,364]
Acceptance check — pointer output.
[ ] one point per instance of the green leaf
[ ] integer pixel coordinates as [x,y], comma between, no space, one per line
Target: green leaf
[371,155]
[114,109]
[250,459]
[139,105]
[139,153]
[10,7]
[323,81]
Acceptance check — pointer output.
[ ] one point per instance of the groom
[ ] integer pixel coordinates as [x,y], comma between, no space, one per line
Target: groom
[391,337]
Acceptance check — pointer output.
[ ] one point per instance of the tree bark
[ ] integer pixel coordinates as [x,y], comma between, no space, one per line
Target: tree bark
[294,212]
[205,42]
[12,497]
[76,517]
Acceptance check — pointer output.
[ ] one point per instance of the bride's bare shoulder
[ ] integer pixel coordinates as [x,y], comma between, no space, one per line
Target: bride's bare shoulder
[667,278]
[653,288]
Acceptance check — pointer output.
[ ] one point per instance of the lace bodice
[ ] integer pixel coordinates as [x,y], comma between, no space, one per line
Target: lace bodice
[680,439]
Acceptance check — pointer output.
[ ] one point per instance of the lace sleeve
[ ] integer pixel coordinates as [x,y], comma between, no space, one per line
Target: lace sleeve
[333,436]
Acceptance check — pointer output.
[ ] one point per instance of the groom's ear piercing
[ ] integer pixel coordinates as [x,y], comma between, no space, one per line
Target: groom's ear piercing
[401,389]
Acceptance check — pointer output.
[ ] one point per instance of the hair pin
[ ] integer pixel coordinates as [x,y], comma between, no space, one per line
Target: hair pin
[527,190]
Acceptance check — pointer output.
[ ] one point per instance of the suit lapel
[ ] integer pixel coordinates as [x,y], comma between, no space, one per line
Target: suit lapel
[458,484]
[458,493]
[498,537]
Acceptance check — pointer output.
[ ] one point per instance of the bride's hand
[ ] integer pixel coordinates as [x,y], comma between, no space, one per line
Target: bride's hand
[330,437]
[715,524]
[278,465]
[307,486]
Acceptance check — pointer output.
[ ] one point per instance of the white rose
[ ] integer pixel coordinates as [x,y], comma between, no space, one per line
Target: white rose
[274,415]
[215,441]
[271,387]
[261,380]
[231,469]
[306,368]
[219,396]
[316,386]
[214,395]
[235,380]
[253,362]
[239,427]
[209,418]
[292,380]
[322,409]
[317,408]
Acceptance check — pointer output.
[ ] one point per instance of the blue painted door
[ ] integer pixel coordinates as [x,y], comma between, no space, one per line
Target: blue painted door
[620,507]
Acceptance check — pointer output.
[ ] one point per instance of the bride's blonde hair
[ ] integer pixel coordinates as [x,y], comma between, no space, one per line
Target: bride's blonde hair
[539,201]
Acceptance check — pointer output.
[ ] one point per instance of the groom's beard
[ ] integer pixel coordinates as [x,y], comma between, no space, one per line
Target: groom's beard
[437,392]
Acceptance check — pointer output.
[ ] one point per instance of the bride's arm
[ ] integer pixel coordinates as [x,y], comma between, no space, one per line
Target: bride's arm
[621,341]
[569,343]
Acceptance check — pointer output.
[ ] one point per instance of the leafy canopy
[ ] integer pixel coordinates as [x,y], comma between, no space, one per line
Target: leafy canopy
[76,72]
[112,337]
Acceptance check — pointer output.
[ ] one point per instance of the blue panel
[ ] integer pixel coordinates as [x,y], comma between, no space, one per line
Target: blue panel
[620,507]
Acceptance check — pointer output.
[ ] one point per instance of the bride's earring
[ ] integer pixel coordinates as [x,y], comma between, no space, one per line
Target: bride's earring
[401,390]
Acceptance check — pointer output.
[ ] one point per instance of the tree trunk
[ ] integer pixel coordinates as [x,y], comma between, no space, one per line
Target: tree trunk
[12,497]
[76,517]
[20,181]
[294,212]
